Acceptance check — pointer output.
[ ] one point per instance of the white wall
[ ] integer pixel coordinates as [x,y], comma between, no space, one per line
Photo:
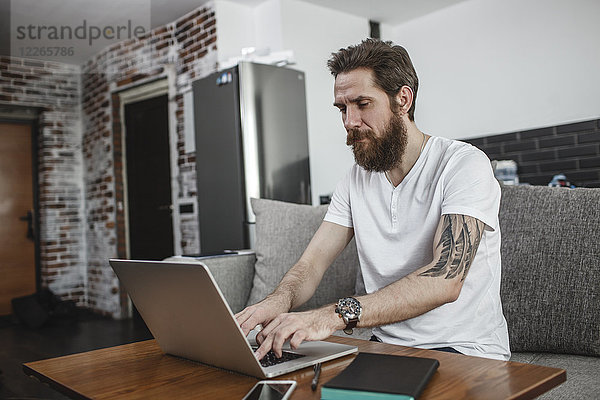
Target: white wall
[245,25]
[268,28]
[489,66]
[312,33]
[235,28]
[485,66]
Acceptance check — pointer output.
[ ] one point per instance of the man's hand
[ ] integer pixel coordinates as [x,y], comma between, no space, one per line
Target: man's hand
[260,313]
[297,327]
[296,288]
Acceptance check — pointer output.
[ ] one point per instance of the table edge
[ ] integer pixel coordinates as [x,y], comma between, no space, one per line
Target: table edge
[556,379]
[63,389]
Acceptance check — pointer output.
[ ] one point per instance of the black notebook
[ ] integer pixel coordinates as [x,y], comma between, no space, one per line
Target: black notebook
[381,376]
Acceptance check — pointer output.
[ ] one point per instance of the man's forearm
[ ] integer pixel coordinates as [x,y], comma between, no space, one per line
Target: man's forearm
[300,282]
[432,285]
[297,286]
[407,298]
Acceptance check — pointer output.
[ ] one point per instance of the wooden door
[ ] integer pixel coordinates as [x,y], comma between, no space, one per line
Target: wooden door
[17,248]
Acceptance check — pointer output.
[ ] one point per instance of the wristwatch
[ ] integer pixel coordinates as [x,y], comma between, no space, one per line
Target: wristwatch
[349,309]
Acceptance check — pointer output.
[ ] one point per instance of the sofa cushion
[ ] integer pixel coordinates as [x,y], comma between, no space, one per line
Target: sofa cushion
[283,230]
[233,274]
[551,268]
[582,374]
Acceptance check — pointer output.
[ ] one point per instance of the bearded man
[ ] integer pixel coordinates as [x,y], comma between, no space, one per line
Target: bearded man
[424,212]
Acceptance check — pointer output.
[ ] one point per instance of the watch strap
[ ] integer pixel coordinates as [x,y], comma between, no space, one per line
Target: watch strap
[350,326]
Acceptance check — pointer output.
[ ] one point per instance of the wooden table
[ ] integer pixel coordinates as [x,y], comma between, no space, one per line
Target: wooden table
[141,371]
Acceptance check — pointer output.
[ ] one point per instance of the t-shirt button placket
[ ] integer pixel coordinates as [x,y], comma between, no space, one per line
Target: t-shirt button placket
[394,211]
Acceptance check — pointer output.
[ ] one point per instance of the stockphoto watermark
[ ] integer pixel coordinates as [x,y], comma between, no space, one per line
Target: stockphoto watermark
[89,33]
[72,31]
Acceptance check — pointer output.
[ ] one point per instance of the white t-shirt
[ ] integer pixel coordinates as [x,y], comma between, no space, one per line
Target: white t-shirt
[394,230]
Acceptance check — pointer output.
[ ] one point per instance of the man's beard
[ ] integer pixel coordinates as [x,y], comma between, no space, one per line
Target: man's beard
[383,153]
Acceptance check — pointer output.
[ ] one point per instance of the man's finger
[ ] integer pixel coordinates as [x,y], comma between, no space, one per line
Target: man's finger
[297,338]
[268,329]
[240,314]
[280,336]
[273,336]
[249,324]
[264,348]
[248,321]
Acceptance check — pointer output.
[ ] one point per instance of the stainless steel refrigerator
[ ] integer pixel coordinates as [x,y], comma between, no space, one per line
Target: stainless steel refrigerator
[251,141]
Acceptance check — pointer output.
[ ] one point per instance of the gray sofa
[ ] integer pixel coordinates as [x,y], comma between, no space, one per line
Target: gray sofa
[550,275]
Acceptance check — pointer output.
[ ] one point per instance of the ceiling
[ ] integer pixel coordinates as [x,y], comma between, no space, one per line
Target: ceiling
[392,12]
[89,14]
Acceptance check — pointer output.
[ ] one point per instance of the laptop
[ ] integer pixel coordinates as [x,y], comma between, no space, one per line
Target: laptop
[186,312]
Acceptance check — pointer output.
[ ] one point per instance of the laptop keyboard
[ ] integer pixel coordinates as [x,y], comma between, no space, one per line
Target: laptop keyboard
[271,359]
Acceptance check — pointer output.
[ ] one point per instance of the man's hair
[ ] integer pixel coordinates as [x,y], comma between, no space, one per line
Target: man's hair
[391,66]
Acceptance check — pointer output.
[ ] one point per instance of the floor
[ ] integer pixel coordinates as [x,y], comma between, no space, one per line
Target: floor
[86,331]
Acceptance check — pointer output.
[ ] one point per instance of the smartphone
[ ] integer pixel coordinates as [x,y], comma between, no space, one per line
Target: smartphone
[271,390]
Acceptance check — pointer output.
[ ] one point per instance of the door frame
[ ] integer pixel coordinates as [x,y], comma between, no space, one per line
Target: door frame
[30,116]
[133,95]
[163,85]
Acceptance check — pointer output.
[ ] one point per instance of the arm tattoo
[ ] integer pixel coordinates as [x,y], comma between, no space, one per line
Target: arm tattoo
[458,244]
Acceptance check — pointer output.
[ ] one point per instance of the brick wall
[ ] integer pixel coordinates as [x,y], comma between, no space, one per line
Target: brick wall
[80,160]
[188,47]
[572,149]
[54,89]
[190,241]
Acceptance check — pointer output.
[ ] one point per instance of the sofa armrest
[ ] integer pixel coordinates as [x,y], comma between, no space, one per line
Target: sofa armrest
[233,273]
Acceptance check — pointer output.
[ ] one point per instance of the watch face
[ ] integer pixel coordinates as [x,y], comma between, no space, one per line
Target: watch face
[349,308]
